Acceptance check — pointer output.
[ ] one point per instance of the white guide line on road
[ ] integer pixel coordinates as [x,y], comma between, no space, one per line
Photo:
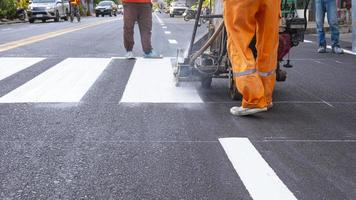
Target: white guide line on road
[172,41]
[159,19]
[258,177]
[329,47]
[67,81]
[167,32]
[151,81]
[12,65]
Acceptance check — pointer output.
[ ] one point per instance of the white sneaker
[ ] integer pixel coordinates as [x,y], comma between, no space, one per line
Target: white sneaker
[129,55]
[240,111]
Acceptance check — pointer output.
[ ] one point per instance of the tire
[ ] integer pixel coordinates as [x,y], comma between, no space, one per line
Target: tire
[66,16]
[186,18]
[44,20]
[102,15]
[57,17]
[31,20]
[96,15]
[206,82]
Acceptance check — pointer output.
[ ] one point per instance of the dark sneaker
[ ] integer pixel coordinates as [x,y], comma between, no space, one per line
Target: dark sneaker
[337,50]
[322,49]
[152,54]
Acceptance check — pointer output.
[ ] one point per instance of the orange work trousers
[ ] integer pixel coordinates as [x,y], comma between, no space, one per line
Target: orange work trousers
[254,78]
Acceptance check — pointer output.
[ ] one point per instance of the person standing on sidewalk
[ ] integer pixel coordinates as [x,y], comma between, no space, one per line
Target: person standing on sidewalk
[329,7]
[254,78]
[139,11]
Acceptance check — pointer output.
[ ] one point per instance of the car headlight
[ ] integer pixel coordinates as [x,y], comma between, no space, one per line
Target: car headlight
[49,8]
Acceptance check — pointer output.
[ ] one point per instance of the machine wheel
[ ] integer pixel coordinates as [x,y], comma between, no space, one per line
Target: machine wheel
[233,92]
[186,18]
[281,75]
[206,82]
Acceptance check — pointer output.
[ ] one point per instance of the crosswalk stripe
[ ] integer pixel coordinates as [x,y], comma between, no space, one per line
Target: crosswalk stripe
[258,177]
[68,81]
[152,81]
[11,65]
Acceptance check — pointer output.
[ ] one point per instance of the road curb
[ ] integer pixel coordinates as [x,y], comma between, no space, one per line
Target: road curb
[11,22]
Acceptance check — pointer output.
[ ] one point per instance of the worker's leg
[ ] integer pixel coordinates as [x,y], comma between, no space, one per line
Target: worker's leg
[267,44]
[145,26]
[240,22]
[320,16]
[130,16]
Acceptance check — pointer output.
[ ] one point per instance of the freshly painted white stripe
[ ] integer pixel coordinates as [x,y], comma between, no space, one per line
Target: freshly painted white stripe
[173,41]
[258,177]
[308,41]
[151,81]
[167,32]
[164,27]
[67,81]
[10,66]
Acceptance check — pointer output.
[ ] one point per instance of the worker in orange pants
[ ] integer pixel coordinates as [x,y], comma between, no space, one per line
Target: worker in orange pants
[254,78]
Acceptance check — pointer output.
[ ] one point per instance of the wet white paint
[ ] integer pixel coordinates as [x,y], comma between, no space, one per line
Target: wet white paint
[258,177]
[151,81]
[11,65]
[68,81]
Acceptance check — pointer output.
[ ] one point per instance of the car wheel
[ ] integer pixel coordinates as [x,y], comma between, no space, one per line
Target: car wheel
[31,21]
[96,15]
[57,17]
[43,20]
[66,16]
[102,15]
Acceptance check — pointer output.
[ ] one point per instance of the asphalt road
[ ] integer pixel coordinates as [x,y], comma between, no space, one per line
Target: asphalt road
[79,122]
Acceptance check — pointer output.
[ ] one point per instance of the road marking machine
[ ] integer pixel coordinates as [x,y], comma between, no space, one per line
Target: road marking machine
[207,57]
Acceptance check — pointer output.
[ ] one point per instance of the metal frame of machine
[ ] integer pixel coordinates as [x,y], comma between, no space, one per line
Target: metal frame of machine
[207,57]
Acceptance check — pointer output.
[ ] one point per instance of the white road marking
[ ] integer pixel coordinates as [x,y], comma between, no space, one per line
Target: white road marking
[159,19]
[11,65]
[172,41]
[338,61]
[151,81]
[317,61]
[167,32]
[164,27]
[67,81]
[258,177]
[308,41]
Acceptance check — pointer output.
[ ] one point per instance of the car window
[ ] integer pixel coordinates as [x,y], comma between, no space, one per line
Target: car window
[105,3]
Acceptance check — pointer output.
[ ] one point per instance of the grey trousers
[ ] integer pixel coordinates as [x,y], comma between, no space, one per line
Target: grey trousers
[142,14]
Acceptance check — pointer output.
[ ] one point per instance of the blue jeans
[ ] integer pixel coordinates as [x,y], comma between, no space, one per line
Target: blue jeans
[329,7]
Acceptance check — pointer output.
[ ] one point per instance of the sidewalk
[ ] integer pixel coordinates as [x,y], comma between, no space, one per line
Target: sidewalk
[344,28]
[15,21]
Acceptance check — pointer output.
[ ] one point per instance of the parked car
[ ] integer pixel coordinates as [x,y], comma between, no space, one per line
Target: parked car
[106,8]
[48,9]
[177,8]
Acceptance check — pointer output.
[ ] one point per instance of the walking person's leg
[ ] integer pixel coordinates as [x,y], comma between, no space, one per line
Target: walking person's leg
[145,26]
[320,10]
[334,25]
[130,16]
[240,22]
[267,45]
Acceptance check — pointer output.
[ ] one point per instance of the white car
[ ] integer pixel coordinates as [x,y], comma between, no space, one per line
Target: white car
[177,8]
[48,9]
